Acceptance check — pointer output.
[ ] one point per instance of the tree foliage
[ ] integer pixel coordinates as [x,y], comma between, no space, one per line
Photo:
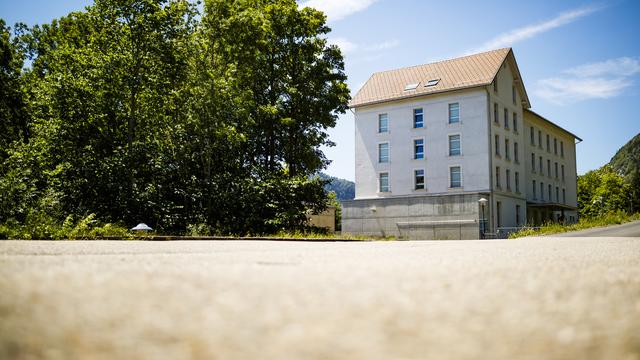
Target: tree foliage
[602,191]
[147,110]
[344,189]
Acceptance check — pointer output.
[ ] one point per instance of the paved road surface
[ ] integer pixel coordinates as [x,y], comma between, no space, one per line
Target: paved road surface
[631,229]
[536,298]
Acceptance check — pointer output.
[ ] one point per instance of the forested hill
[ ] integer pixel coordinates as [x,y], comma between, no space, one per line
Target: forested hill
[627,160]
[344,189]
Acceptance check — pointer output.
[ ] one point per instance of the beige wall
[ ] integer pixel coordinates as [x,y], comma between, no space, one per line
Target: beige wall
[326,219]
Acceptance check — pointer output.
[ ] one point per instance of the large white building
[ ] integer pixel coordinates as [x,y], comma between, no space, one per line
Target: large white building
[432,140]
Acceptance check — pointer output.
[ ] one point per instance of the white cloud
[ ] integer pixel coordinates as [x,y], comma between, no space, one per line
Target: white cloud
[386,45]
[511,37]
[345,45]
[601,80]
[348,47]
[338,9]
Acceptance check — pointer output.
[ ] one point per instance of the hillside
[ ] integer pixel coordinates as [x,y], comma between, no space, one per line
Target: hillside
[627,159]
[344,189]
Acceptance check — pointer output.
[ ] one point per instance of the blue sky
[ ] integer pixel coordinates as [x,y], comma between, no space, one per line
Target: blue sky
[580,61]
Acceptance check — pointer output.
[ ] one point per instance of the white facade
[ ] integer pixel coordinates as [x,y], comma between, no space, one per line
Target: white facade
[495,157]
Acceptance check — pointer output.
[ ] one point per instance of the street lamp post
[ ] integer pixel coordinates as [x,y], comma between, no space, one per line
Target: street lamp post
[482,203]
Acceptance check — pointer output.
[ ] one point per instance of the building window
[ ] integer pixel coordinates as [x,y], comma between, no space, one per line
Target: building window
[533,137]
[542,191]
[495,113]
[533,162]
[454,113]
[564,196]
[507,173]
[548,144]
[506,149]
[498,177]
[383,123]
[540,139]
[549,198]
[562,148]
[495,85]
[513,94]
[455,177]
[515,122]
[562,168]
[548,168]
[517,214]
[419,179]
[557,194]
[517,181]
[384,182]
[515,152]
[498,213]
[497,145]
[418,118]
[556,168]
[454,145]
[534,189]
[418,149]
[383,153]
[555,146]
[506,118]
[540,165]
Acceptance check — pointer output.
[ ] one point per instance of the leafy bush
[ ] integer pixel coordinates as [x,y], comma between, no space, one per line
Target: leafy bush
[39,226]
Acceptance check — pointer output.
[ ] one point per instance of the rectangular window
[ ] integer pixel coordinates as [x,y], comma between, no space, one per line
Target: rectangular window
[533,162]
[495,85]
[540,165]
[533,137]
[562,148]
[513,94]
[384,182]
[498,177]
[418,149]
[517,181]
[557,194]
[506,149]
[562,168]
[534,189]
[506,118]
[418,118]
[556,168]
[455,177]
[515,122]
[454,113]
[549,198]
[548,144]
[516,157]
[517,214]
[454,145]
[507,173]
[495,113]
[540,139]
[564,196]
[542,191]
[555,146]
[383,123]
[548,168]
[419,179]
[497,145]
[383,153]
[499,213]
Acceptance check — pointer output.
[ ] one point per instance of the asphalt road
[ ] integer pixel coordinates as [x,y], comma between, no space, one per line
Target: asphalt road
[534,298]
[631,229]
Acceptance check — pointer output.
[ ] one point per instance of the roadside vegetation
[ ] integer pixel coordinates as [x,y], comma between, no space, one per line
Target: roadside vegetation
[613,218]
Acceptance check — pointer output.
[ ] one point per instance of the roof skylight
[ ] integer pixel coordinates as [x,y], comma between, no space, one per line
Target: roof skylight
[432,82]
[411,86]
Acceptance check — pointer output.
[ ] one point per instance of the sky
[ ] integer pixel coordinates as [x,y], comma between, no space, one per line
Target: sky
[580,60]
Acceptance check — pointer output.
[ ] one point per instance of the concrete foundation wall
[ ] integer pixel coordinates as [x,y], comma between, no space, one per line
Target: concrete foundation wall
[425,217]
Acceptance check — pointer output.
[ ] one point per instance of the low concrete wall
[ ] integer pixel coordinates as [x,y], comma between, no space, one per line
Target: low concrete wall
[326,219]
[426,217]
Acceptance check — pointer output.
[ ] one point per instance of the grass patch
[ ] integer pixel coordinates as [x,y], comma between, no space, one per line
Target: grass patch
[42,227]
[612,218]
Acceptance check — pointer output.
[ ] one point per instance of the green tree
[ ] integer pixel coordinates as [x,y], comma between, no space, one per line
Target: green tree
[602,191]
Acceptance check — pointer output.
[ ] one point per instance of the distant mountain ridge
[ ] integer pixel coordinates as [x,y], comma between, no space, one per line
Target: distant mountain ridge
[344,189]
[627,160]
